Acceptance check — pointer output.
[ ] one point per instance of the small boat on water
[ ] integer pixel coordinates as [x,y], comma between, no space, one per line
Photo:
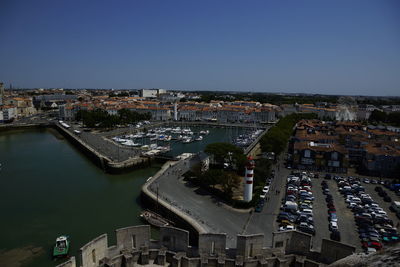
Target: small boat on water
[155,219]
[199,138]
[187,139]
[61,248]
[130,143]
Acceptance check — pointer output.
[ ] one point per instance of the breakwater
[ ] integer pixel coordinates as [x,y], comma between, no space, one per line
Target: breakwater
[101,160]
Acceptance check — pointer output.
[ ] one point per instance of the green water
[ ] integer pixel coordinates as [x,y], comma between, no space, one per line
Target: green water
[48,188]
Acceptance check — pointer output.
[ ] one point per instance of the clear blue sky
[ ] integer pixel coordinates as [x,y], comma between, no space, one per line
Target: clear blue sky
[332,47]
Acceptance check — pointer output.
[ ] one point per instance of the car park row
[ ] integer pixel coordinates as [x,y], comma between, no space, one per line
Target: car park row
[264,194]
[374,226]
[332,216]
[297,205]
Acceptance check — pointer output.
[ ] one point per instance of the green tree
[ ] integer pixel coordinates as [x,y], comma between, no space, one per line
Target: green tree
[377,116]
[228,182]
[226,153]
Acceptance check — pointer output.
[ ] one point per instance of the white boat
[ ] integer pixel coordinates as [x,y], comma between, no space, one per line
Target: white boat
[187,139]
[145,147]
[130,143]
[199,138]
[120,140]
[153,146]
[153,138]
[204,132]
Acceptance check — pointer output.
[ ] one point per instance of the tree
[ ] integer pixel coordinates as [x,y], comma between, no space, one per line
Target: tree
[377,116]
[229,181]
[211,177]
[226,153]
[262,171]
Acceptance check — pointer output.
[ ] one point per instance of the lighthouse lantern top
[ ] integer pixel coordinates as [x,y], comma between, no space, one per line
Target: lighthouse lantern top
[250,163]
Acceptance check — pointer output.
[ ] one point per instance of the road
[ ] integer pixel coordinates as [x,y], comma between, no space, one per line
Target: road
[265,221]
[215,216]
[207,210]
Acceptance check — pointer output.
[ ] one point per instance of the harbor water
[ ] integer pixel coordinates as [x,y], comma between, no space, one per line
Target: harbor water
[48,188]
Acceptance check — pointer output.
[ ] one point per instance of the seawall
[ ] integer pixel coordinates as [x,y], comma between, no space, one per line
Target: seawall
[152,201]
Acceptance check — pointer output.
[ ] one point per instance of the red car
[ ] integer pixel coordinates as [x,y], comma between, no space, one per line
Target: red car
[373,244]
[330,205]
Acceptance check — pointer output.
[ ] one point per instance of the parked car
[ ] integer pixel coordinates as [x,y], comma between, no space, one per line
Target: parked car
[333,217]
[333,226]
[306,228]
[287,228]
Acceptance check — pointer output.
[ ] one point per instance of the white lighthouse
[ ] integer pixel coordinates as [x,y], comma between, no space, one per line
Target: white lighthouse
[248,177]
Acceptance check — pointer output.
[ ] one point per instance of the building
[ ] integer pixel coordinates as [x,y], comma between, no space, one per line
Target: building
[381,160]
[149,93]
[8,113]
[24,106]
[66,112]
[320,157]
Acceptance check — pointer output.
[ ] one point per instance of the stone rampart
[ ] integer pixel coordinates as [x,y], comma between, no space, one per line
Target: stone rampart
[135,248]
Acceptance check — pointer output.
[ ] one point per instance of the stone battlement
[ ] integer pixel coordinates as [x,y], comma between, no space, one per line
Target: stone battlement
[135,248]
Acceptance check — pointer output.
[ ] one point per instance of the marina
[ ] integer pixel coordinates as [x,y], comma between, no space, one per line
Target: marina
[167,140]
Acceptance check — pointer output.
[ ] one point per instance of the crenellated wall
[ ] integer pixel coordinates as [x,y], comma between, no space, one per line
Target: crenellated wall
[135,248]
[94,251]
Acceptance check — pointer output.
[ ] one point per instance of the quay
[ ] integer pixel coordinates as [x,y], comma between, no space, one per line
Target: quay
[106,155]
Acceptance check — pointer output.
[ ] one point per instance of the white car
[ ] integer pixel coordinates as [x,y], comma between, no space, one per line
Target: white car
[287,228]
[265,189]
[333,226]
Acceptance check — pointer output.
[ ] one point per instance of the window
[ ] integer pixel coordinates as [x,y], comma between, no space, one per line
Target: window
[307,153]
[212,252]
[251,250]
[94,256]
[279,244]
[334,156]
[133,241]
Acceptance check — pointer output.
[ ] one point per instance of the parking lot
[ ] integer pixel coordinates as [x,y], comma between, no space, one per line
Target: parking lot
[326,214]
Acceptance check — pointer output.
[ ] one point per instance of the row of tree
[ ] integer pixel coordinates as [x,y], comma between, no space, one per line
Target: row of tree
[277,99]
[277,137]
[378,116]
[101,118]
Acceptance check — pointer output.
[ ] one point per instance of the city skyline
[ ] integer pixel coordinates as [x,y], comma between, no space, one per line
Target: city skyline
[342,47]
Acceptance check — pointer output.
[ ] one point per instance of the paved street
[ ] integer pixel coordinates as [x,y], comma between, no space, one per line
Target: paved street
[320,212]
[265,221]
[214,217]
[346,223]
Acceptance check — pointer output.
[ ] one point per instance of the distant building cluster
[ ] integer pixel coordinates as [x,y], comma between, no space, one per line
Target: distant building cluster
[166,105]
[335,146]
[161,110]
